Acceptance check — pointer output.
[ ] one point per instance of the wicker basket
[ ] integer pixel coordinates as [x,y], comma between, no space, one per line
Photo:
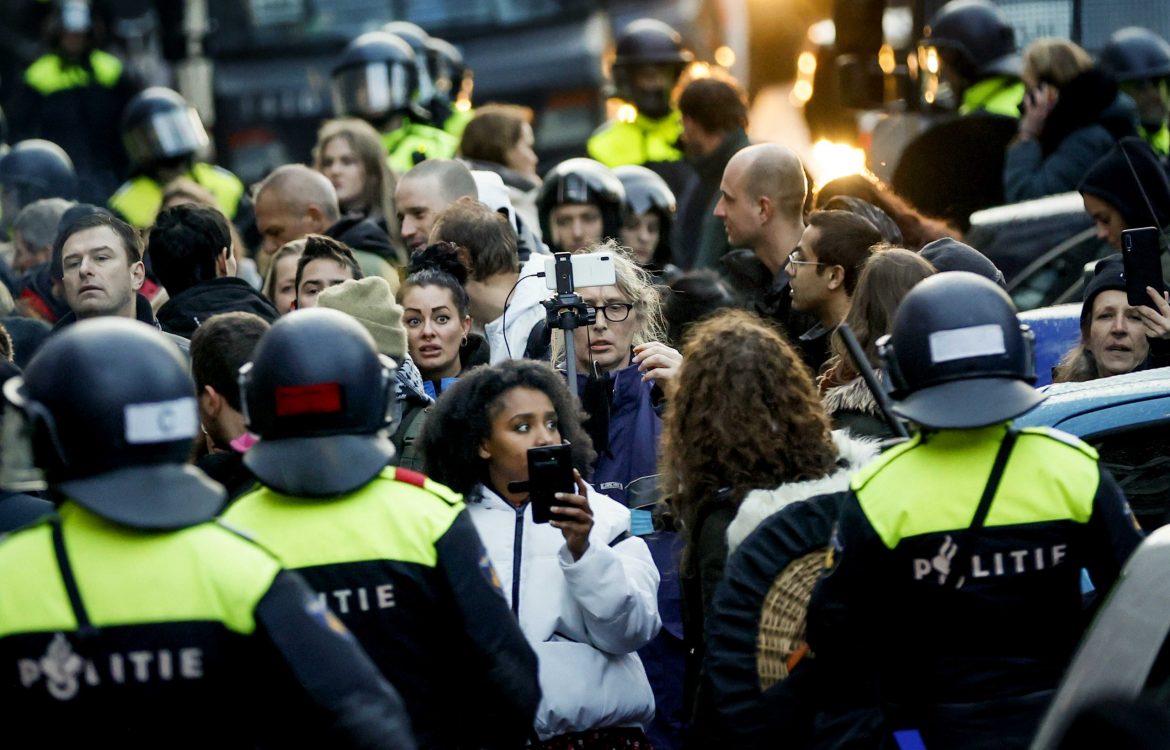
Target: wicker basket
[783,617]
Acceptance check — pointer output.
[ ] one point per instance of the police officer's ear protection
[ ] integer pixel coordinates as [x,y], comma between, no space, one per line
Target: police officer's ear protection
[30,440]
[894,381]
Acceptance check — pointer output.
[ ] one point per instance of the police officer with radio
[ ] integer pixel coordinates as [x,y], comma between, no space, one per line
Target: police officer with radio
[130,618]
[383,80]
[392,552]
[164,136]
[650,60]
[580,203]
[954,574]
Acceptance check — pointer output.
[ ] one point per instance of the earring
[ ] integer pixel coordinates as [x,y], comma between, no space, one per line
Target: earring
[464,340]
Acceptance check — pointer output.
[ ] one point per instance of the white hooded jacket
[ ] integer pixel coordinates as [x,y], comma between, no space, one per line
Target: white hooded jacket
[585,619]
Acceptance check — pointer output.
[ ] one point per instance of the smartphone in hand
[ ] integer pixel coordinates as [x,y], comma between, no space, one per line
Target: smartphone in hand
[550,470]
[1141,253]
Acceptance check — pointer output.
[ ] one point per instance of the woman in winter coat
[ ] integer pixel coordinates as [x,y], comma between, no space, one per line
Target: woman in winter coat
[885,278]
[744,416]
[1073,114]
[583,589]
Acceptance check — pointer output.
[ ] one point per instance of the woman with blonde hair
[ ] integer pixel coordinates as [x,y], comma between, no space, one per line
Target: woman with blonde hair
[281,279]
[1073,113]
[744,437]
[350,153]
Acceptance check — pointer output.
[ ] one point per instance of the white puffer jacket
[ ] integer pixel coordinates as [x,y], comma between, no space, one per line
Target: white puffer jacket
[584,619]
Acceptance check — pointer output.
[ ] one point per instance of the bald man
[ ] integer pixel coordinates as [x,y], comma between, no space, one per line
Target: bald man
[424,192]
[295,201]
[761,205]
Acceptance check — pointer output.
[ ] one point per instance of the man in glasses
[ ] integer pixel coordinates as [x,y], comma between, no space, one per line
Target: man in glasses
[823,273]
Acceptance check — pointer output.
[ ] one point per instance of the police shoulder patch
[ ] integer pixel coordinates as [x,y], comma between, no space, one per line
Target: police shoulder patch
[420,480]
[410,476]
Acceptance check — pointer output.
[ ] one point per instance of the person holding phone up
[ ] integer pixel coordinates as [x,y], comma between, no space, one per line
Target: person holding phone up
[583,589]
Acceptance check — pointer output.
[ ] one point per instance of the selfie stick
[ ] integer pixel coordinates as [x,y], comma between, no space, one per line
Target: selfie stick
[567,311]
[861,362]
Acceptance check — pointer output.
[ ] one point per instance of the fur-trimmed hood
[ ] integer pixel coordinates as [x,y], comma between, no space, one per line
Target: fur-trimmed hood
[853,453]
[853,396]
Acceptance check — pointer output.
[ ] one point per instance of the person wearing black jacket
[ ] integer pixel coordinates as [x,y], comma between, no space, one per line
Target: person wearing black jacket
[191,250]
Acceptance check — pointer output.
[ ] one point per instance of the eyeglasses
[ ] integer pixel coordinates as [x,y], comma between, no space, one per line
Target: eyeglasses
[614,312]
[794,261]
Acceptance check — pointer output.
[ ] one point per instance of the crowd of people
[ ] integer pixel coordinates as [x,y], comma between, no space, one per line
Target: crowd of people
[267,454]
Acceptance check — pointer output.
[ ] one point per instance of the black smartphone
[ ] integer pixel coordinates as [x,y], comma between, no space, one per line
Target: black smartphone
[1141,256]
[550,470]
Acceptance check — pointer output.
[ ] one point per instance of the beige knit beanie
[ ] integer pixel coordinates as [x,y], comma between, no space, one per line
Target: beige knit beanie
[370,301]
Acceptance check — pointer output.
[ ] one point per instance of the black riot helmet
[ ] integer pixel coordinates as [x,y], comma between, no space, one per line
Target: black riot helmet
[975,36]
[647,42]
[375,79]
[413,35]
[159,126]
[110,408]
[1136,54]
[959,357]
[582,181]
[450,75]
[320,397]
[32,170]
[646,191]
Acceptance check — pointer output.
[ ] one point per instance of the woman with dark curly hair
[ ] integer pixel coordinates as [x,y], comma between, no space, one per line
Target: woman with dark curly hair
[744,436]
[916,228]
[583,589]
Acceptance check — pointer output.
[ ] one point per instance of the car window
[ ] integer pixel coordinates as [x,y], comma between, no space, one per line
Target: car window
[1139,460]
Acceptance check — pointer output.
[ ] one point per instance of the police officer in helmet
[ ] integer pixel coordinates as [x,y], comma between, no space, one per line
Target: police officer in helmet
[130,618]
[32,170]
[970,59]
[650,207]
[382,79]
[394,553]
[958,554]
[650,59]
[451,76]
[580,203]
[164,136]
[1140,61]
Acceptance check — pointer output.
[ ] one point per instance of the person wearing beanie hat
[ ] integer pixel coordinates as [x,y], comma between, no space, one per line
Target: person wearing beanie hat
[948,254]
[1125,189]
[371,303]
[1116,337]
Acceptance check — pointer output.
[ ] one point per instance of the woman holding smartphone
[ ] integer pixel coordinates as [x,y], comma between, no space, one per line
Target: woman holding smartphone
[583,589]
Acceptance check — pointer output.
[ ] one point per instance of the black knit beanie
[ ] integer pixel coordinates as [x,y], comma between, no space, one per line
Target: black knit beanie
[1108,274]
[1112,180]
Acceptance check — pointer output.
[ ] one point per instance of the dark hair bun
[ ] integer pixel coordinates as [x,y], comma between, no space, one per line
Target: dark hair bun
[441,256]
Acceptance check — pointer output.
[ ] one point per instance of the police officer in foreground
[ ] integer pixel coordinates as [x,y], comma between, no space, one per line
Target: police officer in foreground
[580,203]
[381,79]
[1140,61]
[130,619]
[164,137]
[392,552]
[952,600]
[650,60]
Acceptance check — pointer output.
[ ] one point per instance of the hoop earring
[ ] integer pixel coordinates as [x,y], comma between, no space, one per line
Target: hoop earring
[464,340]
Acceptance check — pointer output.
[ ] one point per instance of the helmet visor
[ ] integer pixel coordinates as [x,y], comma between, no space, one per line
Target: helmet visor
[372,90]
[166,135]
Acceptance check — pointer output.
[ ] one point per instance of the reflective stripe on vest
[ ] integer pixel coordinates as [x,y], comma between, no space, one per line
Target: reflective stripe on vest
[617,143]
[50,74]
[138,200]
[927,487]
[126,576]
[387,519]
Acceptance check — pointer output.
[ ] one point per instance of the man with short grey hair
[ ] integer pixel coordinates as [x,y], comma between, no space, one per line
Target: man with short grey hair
[33,232]
[425,191]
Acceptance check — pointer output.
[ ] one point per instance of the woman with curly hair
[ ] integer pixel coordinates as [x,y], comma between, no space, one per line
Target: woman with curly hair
[886,277]
[583,589]
[916,228]
[744,436]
